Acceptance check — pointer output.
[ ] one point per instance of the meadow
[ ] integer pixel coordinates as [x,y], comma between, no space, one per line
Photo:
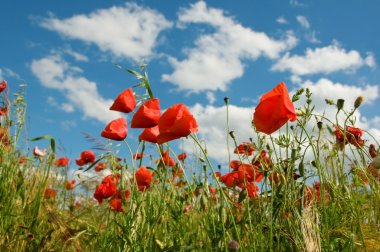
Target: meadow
[314,185]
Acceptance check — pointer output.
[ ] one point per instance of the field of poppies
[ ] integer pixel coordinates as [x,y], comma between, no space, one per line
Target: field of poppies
[313,185]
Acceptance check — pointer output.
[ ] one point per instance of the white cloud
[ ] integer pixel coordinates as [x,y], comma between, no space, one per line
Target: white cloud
[302,20]
[325,60]
[67,107]
[54,72]
[210,97]
[217,57]
[127,31]
[67,125]
[77,56]
[281,20]
[312,37]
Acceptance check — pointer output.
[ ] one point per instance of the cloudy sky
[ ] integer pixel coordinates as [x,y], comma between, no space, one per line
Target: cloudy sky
[198,52]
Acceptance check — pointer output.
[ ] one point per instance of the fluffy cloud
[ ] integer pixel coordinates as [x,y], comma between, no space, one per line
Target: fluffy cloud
[302,20]
[127,31]
[54,72]
[281,20]
[217,58]
[323,60]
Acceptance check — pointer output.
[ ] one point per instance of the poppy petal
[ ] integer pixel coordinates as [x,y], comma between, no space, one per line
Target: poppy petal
[116,130]
[147,115]
[125,102]
[274,110]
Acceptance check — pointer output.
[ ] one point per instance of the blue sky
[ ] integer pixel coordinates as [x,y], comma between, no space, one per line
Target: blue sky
[198,52]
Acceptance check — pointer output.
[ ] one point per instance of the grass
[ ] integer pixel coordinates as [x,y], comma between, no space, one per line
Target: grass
[182,213]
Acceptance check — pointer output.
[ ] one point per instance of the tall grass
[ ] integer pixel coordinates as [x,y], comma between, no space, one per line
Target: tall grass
[182,213]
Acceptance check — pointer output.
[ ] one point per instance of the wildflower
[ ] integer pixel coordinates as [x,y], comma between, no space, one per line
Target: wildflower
[61,162]
[100,166]
[38,153]
[143,178]
[116,130]
[150,134]
[4,111]
[70,185]
[372,151]
[50,193]
[353,136]
[234,164]
[252,190]
[3,85]
[245,149]
[147,115]
[107,188]
[233,245]
[176,122]
[274,110]
[212,190]
[137,156]
[182,156]
[166,160]
[217,174]
[22,160]
[125,102]
[86,157]
[117,200]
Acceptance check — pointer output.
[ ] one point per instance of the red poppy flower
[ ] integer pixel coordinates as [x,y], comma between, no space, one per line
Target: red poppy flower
[4,111]
[230,179]
[372,151]
[274,110]
[62,162]
[147,115]
[125,102]
[166,160]
[117,200]
[182,156]
[86,157]
[252,190]
[234,164]
[116,130]
[176,122]
[150,134]
[143,178]
[70,185]
[245,149]
[3,85]
[100,166]
[137,156]
[22,160]
[353,136]
[107,188]
[212,190]
[50,193]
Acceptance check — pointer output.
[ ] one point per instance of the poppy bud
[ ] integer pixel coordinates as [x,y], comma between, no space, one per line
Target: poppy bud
[329,102]
[340,104]
[358,101]
[226,100]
